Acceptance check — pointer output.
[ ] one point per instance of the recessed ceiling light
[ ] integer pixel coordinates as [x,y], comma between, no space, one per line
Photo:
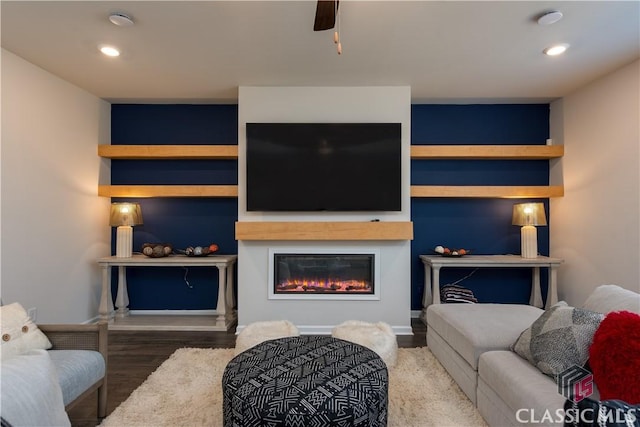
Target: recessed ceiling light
[109,51]
[120,19]
[557,49]
[549,18]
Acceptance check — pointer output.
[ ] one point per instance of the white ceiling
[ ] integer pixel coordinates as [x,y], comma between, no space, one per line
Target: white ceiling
[447,51]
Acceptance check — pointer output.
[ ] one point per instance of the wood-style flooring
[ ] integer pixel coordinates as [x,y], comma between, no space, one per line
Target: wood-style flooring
[134,355]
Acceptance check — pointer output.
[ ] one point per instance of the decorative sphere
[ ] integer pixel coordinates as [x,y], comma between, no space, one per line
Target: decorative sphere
[158,251]
[197,250]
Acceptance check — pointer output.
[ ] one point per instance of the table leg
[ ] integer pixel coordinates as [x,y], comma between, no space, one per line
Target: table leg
[436,285]
[536,293]
[221,320]
[106,303]
[427,298]
[552,291]
[122,298]
[231,299]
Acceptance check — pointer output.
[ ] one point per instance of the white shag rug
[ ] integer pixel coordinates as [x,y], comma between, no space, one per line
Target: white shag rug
[186,390]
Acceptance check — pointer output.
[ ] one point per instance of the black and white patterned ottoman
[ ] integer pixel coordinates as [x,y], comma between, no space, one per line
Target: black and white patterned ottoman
[305,381]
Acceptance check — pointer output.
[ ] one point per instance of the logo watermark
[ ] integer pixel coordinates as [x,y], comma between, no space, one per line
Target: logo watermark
[575,383]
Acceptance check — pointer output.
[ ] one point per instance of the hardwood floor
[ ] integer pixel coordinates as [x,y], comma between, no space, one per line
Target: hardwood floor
[134,355]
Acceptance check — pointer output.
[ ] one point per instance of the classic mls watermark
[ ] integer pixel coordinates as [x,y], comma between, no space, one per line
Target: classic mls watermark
[589,416]
[575,383]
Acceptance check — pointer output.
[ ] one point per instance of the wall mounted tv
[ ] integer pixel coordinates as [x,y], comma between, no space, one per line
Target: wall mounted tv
[300,167]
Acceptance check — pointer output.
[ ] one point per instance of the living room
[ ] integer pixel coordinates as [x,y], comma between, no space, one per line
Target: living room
[56,227]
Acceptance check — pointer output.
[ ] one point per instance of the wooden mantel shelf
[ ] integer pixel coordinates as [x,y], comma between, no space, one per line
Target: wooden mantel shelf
[369,230]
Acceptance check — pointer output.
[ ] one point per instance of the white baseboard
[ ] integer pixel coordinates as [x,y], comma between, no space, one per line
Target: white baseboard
[326,329]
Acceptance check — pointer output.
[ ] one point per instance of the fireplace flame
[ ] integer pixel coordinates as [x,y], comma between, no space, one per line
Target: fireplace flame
[328,285]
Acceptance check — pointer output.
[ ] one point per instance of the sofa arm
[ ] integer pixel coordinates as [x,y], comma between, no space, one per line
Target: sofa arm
[78,336]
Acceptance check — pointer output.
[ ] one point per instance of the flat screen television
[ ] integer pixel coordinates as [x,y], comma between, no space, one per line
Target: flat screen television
[301,167]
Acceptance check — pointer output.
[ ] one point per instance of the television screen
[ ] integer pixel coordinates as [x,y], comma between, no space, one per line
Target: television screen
[323,167]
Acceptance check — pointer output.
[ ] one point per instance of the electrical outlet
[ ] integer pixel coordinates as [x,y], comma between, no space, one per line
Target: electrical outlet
[32,313]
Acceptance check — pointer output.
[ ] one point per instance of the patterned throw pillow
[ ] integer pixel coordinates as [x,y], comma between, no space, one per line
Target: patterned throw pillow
[19,334]
[559,338]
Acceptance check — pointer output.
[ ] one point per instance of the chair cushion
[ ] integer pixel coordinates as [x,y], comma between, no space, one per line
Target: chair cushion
[77,371]
[31,394]
[472,329]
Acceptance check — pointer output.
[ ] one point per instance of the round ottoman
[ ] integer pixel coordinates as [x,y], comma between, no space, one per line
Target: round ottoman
[306,381]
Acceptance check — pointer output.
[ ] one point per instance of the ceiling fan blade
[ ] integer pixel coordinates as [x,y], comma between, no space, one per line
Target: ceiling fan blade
[325,15]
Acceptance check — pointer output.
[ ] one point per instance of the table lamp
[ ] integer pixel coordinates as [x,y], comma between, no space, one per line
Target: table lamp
[125,216]
[528,215]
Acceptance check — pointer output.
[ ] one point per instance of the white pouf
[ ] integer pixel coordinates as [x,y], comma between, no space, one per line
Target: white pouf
[378,337]
[257,332]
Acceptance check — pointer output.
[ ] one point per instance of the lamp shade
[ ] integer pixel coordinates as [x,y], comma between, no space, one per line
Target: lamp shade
[125,214]
[529,214]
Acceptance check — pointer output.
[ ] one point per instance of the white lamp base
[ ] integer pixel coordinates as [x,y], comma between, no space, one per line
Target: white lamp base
[124,241]
[529,241]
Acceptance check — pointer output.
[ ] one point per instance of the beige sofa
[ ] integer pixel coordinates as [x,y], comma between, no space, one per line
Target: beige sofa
[473,341]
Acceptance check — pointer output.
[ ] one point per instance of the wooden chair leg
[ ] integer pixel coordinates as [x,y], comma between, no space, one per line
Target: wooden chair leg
[102,400]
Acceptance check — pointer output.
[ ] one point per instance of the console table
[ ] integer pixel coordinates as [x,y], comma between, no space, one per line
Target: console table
[433,264]
[226,315]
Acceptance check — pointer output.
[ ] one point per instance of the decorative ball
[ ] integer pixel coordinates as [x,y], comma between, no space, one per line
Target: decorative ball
[439,249]
[147,250]
[197,250]
[158,251]
[167,250]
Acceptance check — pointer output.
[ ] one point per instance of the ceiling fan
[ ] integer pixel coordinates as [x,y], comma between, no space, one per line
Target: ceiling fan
[325,15]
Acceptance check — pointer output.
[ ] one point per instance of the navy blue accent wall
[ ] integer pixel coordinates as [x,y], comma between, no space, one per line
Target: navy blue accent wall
[180,221]
[482,225]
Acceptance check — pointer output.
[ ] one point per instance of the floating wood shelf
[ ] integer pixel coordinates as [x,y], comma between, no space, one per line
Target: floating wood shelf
[513,152]
[464,152]
[146,152]
[486,152]
[417,191]
[478,191]
[382,230]
[168,190]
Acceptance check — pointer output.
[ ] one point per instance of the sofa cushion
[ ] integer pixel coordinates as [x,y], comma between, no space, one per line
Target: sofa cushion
[607,298]
[527,394]
[19,333]
[31,394]
[77,371]
[463,374]
[615,357]
[472,329]
[559,338]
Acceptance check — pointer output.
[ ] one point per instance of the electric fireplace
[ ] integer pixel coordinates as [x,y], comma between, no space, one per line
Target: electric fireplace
[323,275]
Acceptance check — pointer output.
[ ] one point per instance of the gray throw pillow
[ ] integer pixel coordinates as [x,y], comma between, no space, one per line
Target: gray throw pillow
[559,338]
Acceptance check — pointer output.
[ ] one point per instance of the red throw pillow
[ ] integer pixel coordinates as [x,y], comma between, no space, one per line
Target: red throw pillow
[614,357]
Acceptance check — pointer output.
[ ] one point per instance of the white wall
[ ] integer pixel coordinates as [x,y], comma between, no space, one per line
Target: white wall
[54,225]
[325,104]
[595,226]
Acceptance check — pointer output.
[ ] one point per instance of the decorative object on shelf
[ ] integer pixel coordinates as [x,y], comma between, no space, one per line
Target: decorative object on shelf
[157,250]
[444,251]
[528,215]
[200,250]
[125,216]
